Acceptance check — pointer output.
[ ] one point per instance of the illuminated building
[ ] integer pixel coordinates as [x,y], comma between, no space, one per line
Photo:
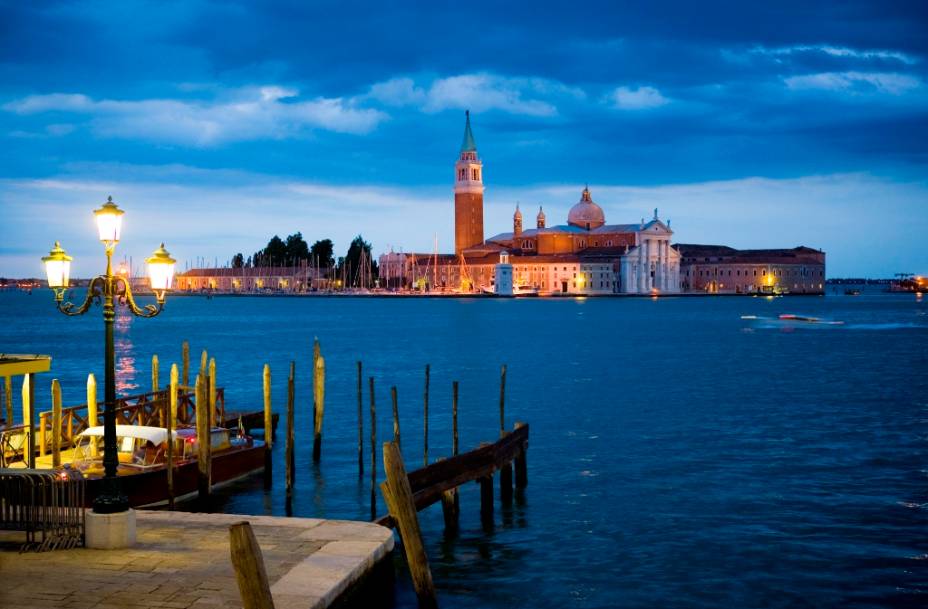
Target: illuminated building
[718,269]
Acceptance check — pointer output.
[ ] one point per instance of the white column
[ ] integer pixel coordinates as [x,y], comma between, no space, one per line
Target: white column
[641,257]
[664,282]
[659,266]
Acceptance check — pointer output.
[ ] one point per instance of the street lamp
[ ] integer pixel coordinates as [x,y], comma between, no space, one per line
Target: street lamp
[111,289]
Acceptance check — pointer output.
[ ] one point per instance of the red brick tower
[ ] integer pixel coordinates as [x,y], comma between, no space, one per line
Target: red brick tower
[468,194]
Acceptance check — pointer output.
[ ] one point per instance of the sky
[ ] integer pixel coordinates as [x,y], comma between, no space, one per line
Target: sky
[216,125]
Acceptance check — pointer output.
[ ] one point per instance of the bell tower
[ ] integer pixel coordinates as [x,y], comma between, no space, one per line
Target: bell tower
[468,194]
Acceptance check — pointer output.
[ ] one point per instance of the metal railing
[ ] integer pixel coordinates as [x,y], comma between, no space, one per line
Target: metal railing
[47,506]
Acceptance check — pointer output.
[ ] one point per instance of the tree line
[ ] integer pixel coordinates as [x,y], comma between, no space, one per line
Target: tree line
[295,251]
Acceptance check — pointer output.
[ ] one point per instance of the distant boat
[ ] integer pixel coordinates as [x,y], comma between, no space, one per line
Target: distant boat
[788,319]
[851,292]
[524,290]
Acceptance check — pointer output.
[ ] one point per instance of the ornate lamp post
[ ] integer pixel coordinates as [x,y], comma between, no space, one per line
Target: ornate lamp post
[111,290]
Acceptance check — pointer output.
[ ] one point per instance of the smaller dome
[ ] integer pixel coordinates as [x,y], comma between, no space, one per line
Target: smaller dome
[541,214]
[586,214]
[518,213]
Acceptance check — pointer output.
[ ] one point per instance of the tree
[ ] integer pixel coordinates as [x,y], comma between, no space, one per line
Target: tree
[354,262]
[238,261]
[297,249]
[323,252]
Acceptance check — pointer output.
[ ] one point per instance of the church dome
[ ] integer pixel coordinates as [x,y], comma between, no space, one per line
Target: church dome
[586,214]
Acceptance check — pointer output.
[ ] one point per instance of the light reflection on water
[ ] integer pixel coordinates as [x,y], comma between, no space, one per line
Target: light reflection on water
[126,382]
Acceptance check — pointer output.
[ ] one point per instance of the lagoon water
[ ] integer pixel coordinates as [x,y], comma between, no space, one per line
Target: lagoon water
[680,456]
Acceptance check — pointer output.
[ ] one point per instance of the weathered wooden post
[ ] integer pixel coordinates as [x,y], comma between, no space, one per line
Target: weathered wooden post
[171,425]
[248,563]
[185,362]
[450,509]
[318,405]
[360,425]
[398,495]
[8,398]
[268,429]
[505,470]
[203,437]
[425,421]
[56,423]
[396,417]
[154,374]
[521,465]
[43,433]
[212,393]
[454,418]
[204,360]
[29,417]
[291,462]
[373,453]
[486,498]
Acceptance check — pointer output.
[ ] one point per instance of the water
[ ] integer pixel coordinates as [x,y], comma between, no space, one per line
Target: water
[679,457]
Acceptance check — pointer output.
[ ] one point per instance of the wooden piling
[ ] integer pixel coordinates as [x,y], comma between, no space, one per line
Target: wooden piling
[43,433]
[155,380]
[291,462]
[171,425]
[521,463]
[203,437]
[360,424]
[486,500]
[318,406]
[373,452]
[450,508]
[56,423]
[454,418]
[248,563]
[212,392]
[268,428]
[396,417]
[425,421]
[185,362]
[29,416]
[8,398]
[505,470]
[204,361]
[398,495]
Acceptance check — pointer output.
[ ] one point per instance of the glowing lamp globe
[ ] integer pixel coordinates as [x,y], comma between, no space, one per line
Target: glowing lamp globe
[57,267]
[109,221]
[161,270]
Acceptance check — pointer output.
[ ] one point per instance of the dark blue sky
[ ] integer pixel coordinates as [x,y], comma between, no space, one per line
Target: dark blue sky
[216,125]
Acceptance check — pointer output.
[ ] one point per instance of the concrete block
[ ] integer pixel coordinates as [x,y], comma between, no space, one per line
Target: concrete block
[109,531]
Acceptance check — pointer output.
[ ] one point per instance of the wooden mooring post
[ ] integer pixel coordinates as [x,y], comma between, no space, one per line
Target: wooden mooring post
[203,437]
[450,502]
[29,416]
[291,462]
[425,420]
[398,495]
[505,471]
[521,462]
[56,423]
[155,380]
[373,452]
[318,404]
[248,563]
[91,400]
[8,398]
[170,425]
[185,362]
[396,417]
[268,429]
[213,387]
[360,424]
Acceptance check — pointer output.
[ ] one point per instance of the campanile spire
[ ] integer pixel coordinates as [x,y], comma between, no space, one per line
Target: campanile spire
[468,193]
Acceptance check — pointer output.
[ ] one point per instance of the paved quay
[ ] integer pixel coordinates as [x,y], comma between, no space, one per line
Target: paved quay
[182,561]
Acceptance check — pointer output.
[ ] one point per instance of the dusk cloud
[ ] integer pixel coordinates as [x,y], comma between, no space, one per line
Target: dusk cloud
[882,82]
[245,114]
[639,98]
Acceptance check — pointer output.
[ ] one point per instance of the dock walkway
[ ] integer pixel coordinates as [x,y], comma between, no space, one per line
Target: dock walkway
[182,561]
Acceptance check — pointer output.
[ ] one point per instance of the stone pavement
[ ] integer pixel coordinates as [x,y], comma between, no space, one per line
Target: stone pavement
[182,560]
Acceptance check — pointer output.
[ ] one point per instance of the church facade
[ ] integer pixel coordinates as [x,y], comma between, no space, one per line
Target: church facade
[585,256]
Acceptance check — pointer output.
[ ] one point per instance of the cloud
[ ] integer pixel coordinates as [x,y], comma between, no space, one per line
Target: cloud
[641,98]
[270,112]
[890,83]
[836,51]
[479,92]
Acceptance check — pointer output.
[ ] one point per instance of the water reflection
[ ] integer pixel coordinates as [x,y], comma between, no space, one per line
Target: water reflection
[126,382]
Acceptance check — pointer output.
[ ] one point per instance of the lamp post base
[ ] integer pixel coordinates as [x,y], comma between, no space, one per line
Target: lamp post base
[110,503]
[109,531]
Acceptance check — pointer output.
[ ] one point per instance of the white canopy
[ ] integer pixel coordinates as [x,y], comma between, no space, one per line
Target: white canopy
[155,435]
